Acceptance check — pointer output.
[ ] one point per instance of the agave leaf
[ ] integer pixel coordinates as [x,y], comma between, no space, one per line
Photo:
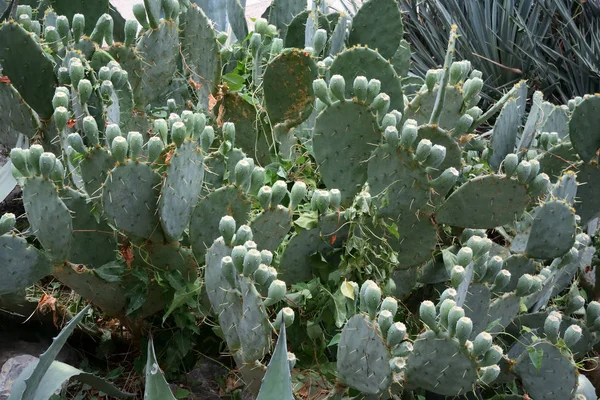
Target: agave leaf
[277,383]
[157,387]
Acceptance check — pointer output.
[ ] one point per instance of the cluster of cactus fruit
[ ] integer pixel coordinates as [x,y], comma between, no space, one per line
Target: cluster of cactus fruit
[140,157]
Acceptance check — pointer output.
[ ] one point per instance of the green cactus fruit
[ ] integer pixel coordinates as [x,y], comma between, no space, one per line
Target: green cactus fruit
[84,90]
[381,104]
[431,78]
[320,41]
[481,344]
[492,356]
[297,194]
[372,298]
[111,132]
[119,148]
[61,116]
[47,164]
[449,293]
[445,306]
[264,197]
[35,152]
[90,129]
[252,260]
[337,86]
[227,228]
[276,293]
[135,142]
[572,335]
[391,136]
[60,99]
[464,256]
[454,315]
[396,333]
[243,235]
[436,156]
[427,314]
[335,199]
[489,374]
[501,280]
[322,91]
[409,134]
[385,320]
[279,192]
[286,315]
[7,223]
[523,171]
[155,147]
[320,201]
[76,142]
[238,253]
[178,133]
[423,150]
[463,329]
[243,173]
[457,275]
[228,270]
[360,88]
[373,89]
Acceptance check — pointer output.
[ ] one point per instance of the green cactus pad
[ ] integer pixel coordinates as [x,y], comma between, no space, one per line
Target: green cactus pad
[505,133]
[130,196]
[131,61]
[441,365]
[556,119]
[121,110]
[421,107]
[233,157]
[296,263]
[108,296]
[401,59]
[288,87]
[362,61]
[236,14]
[251,135]
[398,183]
[92,10]
[49,218]
[22,264]
[281,12]
[588,195]
[159,49]
[553,231]
[476,306]
[342,149]
[204,225]
[378,25]
[94,170]
[94,243]
[517,265]
[557,159]
[201,52]
[181,189]
[271,227]
[29,69]
[253,324]
[583,127]
[214,171]
[296,31]
[484,202]
[15,116]
[555,379]
[363,359]
[442,138]
[502,311]
[226,304]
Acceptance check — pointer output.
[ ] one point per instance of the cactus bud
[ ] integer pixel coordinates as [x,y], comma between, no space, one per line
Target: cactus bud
[207,138]
[454,315]
[119,148]
[450,294]
[535,169]
[279,190]
[360,88]
[436,156]
[320,201]
[445,307]
[491,357]
[33,158]
[511,161]
[139,11]
[396,334]
[178,133]
[409,134]
[104,73]
[243,173]
[228,270]
[131,29]
[24,9]
[199,126]
[572,335]
[266,257]
[76,142]
[275,293]
[457,276]
[523,171]
[286,315]
[52,38]
[60,99]
[489,374]
[481,344]
[479,245]
[431,78]
[390,304]
[135,141]
[428,314]
[155,147]
[291,357]
[464,327]
[261,26]
[264,197]
[18,158]
[423,150]
[392,137]
[385,320]
[337,85]
[464,256]
[47,164]
[227,228]
[61,116]
[591,313]
[262,274]
[298,194]
[84,90]
[443,183]
[471,88]
[501,280]
[463,125]
[540,185]
[372,299]
[160,129]
[320,41]
[276,46]
[524,285]
[78,26]
[255,44]
[389,120]
[494,265]
[111,132]
[252,260]
[229,132]
[335,199]
[257,180]
[238,253]
[322,91]
[7,223]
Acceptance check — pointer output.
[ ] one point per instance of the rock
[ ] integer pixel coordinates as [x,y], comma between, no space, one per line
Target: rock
[11,370]
[202,379]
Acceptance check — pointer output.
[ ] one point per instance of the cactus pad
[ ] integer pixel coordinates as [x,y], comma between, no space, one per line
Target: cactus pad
[505,133]
[130,197]
[588,205]
[94,170]
[583,127]
[15,114]
[442,138]
[22,264]
[253,326]
[181,189]
[271,227]
[378,25]
[421,107]
[553,231]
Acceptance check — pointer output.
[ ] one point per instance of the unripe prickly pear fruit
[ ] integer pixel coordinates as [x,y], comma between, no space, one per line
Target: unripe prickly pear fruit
[199,126]
[445,308]
[7,223]
[427,313]
[207,137]
[463,125]
[372,299]
[436,156]
[454,315]
[119,149]
[391,136]
[178,133]
[322,91]
[337,86]
[275,293]
[464,327]
[381,104]
[111,132]
[297,194]
[279,190]
[535,169]
[90,128]
[494,265]
[464,256]
[501,280]
[47,164]
[431,78]
[320,41]
[228,270]
[262,274]
[76,71]
[155,147]
[390,304]
[227,228]
[361,88]
[396,334]
[276,46]
[457,276]
[106,91]
[34,154]
[479,245]
[229,132]
[61,116]
[335,199]
[252,260]
[266,257]
[60,99]
[385,320]
[471,88]
[489,374]
[243,173]
[397,364]
[592,311]
[423,150]
[523,171]
[76,142]
[264,197]
[78,26]
[450,294]
[572,335]
[63,76]
[135,140]
[524,285]
[261,26]
[373,89]
[481,344]
[58,173]
[320,201]
[443,183]
[238,254]
[388,120]
[492,356]
[139,11]
[104,73]
[286,315]
[255,43]
[52,38]
[161,129]
[188,119]
[84,90]
[24,9]
[131,29]
[552,327]
[511,161]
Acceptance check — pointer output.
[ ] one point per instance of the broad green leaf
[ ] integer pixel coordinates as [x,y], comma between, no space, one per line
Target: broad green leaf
[536,355]
[181,297]
[277,383]
[110,272]
[347,290]
[307,220]
[157,387]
